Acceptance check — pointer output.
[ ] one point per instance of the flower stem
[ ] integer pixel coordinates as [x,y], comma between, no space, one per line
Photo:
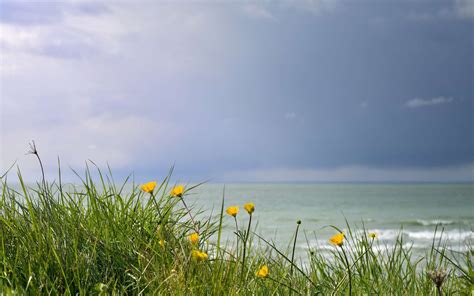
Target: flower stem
[293,253]
[245,248]
[153,197]
[348,270]
[237,231]
[190,215]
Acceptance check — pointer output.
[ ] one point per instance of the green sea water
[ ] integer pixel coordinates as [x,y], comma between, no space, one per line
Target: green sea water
[415,210]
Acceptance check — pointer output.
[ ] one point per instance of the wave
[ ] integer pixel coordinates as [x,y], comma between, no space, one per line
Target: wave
[382,248]
[454,239]
[385,234]
[451,235]
[434,222]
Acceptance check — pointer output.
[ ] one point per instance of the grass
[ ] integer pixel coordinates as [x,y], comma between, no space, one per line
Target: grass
[99,239]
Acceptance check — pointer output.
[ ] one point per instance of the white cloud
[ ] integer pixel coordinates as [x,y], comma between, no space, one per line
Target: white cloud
[17,37]
[265,9]
[313,6]
[108,102]
[73,35]
[355,174]
[116,140]
[458,9]
[464,8]
[258,11]
[418,102]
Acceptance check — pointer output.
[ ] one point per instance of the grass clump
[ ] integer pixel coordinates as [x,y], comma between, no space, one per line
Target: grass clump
[100,238]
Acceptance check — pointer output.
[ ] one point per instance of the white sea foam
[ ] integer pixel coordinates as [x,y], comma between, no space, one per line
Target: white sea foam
[434,222]
[389,247]
[326,247]
[455,239]
[385,234]
[451,235]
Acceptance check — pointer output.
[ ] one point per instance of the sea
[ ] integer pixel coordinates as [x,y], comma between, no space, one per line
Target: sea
[419,213]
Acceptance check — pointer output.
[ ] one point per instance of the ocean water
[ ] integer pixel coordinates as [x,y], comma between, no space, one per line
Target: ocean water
[415,210]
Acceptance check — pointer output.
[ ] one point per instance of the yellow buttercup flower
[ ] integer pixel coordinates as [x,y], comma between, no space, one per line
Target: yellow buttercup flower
[249,207]
[198,255]
[177,191]
[233,210]
[148,187]
[162,243]
[194,238]
[337,240]
[373,235]
[262,272]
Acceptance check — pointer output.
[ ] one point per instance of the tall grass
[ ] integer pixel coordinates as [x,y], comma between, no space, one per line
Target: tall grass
[99,238]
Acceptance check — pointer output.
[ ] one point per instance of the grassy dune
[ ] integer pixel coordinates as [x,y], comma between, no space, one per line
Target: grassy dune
[99,239]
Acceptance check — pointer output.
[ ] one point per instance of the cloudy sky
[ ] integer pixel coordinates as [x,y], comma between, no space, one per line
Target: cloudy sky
[237,91]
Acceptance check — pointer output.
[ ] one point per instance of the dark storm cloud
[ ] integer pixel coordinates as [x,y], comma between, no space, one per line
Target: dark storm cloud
[284,87]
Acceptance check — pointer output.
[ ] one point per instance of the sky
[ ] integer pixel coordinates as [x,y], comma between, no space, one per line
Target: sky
[240,91]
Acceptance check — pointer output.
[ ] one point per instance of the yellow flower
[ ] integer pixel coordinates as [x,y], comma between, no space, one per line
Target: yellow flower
[198,255]
[177,191]
[249,207]
[162,243]
[338,239]
[373,235]
[262,272]
[194,238]
[233,210]
[148,187]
